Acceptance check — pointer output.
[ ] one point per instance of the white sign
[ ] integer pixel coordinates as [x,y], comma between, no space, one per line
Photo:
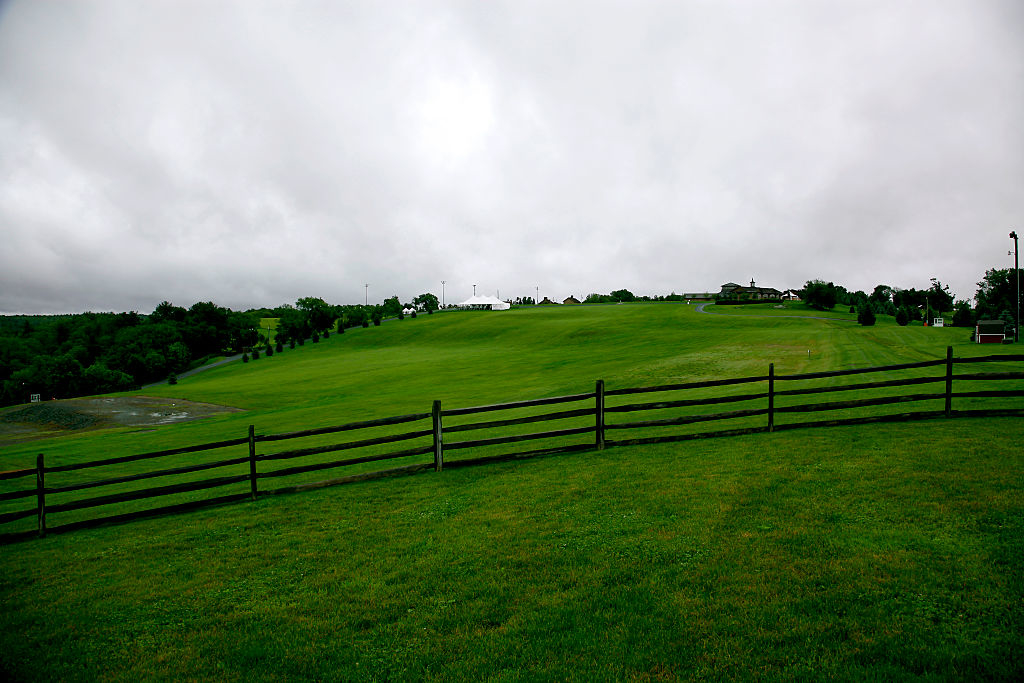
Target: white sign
[937,322]
[35,398]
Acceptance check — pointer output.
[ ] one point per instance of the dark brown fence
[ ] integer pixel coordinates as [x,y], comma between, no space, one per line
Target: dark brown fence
[760,404]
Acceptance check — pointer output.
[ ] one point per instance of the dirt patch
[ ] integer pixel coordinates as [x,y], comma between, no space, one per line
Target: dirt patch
[50,414]
[39,420]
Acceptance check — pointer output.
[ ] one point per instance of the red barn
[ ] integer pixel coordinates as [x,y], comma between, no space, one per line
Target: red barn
[989,332]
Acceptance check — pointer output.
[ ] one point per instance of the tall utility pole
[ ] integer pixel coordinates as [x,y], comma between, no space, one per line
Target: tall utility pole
[442,293]
[366,295]
[537,298]
[1016,272]
[474,290]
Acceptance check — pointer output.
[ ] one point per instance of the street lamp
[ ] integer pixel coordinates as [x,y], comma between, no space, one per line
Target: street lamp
[536,299]
[366,295]
[442,293]
[474,290]
[1016,271]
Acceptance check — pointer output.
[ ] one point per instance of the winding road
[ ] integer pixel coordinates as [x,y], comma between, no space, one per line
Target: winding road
[194,371]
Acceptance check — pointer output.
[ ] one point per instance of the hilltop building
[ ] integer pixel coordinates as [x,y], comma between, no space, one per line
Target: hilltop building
[731,290]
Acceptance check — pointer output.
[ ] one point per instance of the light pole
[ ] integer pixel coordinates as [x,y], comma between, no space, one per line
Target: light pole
[366,295]
[536,299]
[1016,272]
[474,290]
[442,293]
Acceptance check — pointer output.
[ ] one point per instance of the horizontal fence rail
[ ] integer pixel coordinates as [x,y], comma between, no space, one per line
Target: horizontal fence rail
[405,442]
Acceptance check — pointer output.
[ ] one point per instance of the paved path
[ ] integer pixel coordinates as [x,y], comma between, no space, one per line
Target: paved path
[195,371]
[700,309]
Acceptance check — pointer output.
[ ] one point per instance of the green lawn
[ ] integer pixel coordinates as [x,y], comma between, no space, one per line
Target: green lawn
[268,329]
[881,553]
[875,552]
[477,358]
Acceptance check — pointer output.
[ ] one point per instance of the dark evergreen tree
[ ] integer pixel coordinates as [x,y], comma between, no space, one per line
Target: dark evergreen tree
[962,314]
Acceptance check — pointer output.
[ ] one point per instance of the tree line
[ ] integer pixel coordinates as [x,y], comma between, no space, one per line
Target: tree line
[62,356]
[625,296]
[994,300]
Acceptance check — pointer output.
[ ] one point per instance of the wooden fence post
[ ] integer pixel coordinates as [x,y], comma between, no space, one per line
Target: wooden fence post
[771,397]
[252,460]
[435,414]
[599,414]
[949,381]
[41,494]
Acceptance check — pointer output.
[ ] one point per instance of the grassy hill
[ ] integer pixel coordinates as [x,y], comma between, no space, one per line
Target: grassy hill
[881,552]
[476,358]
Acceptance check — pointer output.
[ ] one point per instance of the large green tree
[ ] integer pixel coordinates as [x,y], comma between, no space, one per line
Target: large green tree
[821,295]
[881,294]
[391,307]
[962,314]
[292,325]
[996,294]
[205,329]
[426,302]
[320,315]
[940,299]
[910,299]
[242,331]
[355,315]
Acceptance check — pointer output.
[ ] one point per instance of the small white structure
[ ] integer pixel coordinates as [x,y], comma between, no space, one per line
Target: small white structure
[408,311]
[485,303]
[937,322]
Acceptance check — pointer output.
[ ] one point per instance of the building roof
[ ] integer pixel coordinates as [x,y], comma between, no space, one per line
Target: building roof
[491,302]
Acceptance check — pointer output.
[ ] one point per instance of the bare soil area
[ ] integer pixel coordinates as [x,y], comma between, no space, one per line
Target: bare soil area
[50,418]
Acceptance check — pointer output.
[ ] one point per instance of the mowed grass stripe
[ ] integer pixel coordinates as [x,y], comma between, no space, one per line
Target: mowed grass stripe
[886,551]
[865,553]
[564,347]
[471,359]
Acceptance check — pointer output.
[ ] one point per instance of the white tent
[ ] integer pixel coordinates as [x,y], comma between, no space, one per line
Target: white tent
[484,303]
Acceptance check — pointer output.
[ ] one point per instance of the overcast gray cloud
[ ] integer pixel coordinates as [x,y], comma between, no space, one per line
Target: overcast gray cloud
[254,152]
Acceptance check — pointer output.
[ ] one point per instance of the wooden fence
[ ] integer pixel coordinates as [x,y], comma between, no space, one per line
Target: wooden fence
[446,436]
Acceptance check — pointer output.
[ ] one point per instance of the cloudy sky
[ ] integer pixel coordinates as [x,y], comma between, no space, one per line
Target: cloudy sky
[252,152]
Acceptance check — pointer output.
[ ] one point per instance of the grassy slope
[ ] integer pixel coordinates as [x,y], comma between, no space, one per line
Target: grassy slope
[466,359]
[880,552]
[856,553]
